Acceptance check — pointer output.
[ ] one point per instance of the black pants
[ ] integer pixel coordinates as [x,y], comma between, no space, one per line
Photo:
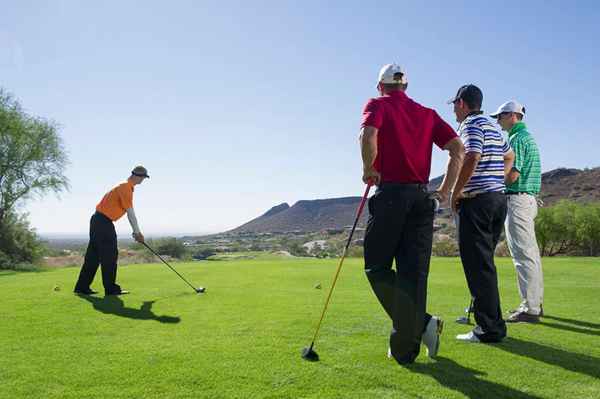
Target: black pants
[101,250]
[400,228]
[481,220]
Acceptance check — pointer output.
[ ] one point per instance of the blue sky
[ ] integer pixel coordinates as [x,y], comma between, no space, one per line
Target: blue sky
[238,106]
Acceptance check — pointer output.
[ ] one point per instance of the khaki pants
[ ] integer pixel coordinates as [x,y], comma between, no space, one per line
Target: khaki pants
[522,243]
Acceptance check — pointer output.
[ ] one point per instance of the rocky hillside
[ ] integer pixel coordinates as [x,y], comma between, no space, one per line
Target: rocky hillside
[306,216]
[574,184]
[336,213]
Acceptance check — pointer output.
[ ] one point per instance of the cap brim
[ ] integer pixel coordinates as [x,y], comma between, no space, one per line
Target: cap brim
[451,101]
[495,115]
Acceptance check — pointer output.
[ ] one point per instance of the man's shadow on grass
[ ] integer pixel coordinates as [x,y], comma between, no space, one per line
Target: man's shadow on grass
[572,325]
[572,361]
[112,304]
[466,380]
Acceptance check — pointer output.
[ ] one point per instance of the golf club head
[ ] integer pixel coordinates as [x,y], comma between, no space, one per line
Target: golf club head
[435,197]
[200,290]
[463,320]
[310,355]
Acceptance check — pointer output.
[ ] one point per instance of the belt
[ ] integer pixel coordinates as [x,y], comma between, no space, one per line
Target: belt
[473,195]
[402,185]
[102,216]
[518,193]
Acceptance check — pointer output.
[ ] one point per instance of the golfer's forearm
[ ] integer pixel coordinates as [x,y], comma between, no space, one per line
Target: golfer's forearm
[133,220]
[468,168]
[455,161]
[368,146]
[509,160]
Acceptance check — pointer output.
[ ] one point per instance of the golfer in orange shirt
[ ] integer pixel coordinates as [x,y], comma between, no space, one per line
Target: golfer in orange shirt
[102,248]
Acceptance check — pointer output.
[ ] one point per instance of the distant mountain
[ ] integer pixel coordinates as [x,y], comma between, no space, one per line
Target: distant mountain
[306,216]
[276,209]
[573,184]
[336,213]
[581,185]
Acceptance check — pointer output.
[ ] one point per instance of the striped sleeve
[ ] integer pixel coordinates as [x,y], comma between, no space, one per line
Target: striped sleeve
[505,147]
[473,138]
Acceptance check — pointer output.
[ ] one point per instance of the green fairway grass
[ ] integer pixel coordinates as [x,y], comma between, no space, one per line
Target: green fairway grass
[243,337]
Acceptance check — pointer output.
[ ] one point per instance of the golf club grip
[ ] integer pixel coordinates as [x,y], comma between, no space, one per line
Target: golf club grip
[358,213]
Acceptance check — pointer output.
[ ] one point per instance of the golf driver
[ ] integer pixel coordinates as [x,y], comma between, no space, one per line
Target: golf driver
[309,353]
[198,290]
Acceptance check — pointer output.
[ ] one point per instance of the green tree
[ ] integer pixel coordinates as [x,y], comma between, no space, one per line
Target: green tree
[296,249]
[32,163]
[204,253]
[33,158]
[557,229]
[171,247]
[587,224]
[19,245]
[544,229]
[356,251]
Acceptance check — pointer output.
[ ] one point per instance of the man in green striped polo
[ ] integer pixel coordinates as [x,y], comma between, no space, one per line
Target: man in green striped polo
[523,184]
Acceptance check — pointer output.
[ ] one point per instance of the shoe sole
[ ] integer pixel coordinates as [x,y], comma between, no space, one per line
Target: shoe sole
[469,341]
[533,321]
[438,332]
[509,312]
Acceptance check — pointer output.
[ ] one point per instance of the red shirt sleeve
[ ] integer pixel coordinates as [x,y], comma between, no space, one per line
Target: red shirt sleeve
[442,132]
[372,114]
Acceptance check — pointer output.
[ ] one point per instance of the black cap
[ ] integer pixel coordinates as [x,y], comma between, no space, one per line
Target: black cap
[470,94]
[140,171]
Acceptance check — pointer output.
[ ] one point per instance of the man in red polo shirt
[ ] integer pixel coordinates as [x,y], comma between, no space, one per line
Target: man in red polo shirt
[397,138]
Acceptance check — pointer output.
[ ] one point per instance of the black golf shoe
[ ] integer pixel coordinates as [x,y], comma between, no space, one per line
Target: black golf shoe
[84,292]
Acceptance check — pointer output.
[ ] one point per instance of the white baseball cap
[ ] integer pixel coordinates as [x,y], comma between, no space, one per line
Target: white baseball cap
[392,74]
[509,106]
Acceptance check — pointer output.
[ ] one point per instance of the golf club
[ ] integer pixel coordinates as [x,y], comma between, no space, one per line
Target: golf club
[198,290]
[309,353]
[466,320]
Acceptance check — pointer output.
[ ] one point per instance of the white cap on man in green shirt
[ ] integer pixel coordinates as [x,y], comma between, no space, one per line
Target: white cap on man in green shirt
[509,106]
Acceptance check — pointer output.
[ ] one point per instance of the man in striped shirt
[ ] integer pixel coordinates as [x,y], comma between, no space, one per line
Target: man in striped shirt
[479,200]
[523,184]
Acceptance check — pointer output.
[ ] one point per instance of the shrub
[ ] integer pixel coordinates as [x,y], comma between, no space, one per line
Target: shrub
[445,248]
[171,247]
[20,249]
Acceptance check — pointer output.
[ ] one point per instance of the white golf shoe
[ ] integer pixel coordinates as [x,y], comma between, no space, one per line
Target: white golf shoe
[470,336]
[431,336]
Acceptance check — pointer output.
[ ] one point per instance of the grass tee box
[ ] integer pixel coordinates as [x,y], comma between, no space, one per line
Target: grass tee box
[242,339]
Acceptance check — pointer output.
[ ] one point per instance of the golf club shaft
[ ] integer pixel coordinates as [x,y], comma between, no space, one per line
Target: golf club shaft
[470,309]
[337,272]
[170,267]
